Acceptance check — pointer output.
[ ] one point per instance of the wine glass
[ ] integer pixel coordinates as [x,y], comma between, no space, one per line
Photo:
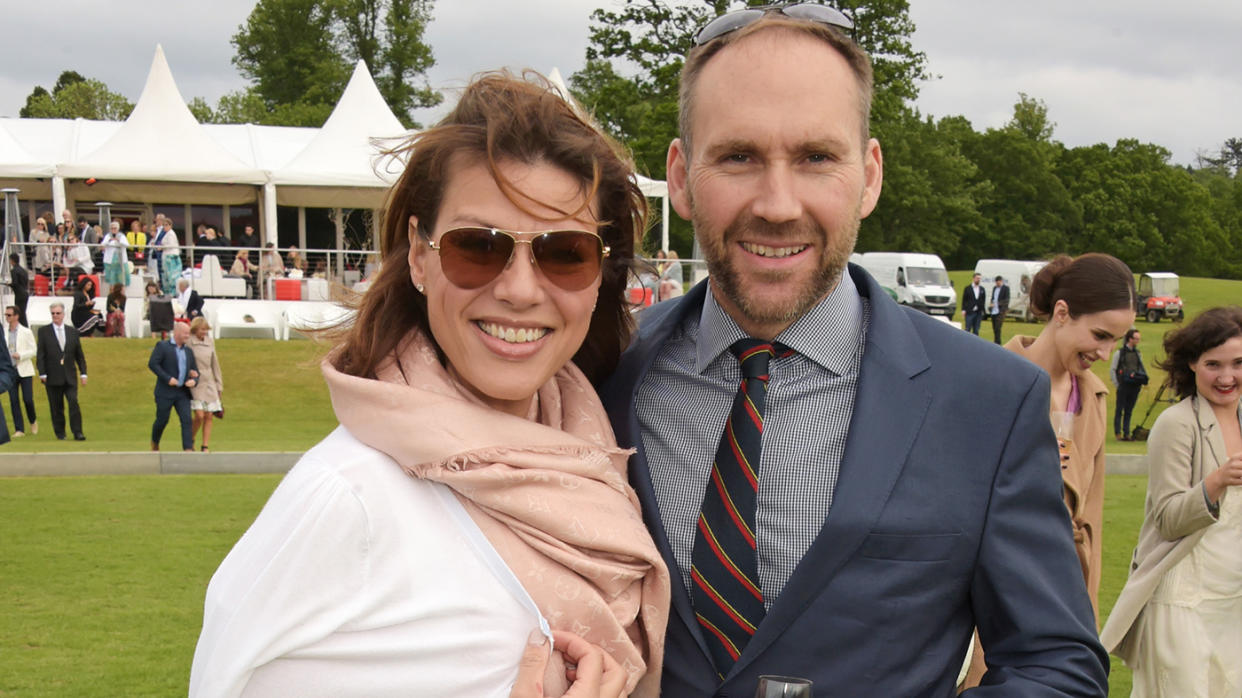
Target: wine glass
[783,687]
[1063,425]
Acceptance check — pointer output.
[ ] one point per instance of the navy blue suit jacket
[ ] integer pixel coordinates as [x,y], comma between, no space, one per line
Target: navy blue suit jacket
[938,523]
[163,363]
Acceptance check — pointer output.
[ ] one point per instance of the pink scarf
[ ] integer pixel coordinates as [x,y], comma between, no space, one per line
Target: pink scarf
[549,493]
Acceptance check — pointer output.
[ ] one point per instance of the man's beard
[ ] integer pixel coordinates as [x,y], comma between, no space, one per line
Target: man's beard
[731,282]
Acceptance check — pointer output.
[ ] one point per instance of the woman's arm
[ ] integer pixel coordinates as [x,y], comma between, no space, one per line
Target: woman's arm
[1178,505]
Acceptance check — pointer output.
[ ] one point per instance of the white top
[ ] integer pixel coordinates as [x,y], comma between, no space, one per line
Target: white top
[359,580]
[114,244]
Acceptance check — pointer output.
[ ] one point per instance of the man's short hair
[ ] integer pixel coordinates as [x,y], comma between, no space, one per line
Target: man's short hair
[999,278]
[182,282]
[11,308]
[81,220]
[56,304]
[699,56]
[14,259]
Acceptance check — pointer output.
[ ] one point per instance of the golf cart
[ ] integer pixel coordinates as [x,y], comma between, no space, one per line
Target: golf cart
[1158,297]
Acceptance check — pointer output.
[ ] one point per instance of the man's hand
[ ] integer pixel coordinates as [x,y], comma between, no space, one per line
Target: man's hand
[193,373]
[83,380]
[191,383]
[172,382]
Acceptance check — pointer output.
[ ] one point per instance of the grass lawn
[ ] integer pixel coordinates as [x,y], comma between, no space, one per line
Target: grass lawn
[1198,294]
[274,399]
[102,590]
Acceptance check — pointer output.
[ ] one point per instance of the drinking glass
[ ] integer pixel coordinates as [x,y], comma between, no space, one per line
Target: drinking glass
[1063,425]
[783,687]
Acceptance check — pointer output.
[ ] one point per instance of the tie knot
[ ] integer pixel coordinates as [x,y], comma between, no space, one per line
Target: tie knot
[754,354]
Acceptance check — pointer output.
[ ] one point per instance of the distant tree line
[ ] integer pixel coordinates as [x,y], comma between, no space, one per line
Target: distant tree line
[1011,192]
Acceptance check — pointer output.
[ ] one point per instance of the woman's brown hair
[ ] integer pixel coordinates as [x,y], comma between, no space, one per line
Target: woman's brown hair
[500,117]
[1089,283]
[1182,347]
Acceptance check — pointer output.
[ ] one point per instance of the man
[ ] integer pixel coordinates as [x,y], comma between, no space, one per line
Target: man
[191,302]
[247,238]
[974,304]
[879,526]
[8,378]
[998,306]
[20,282]
[60,350]
[1129,376]
[22,349]
[175,371]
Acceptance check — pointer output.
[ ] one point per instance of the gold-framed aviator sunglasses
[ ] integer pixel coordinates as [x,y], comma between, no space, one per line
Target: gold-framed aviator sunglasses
[473,257]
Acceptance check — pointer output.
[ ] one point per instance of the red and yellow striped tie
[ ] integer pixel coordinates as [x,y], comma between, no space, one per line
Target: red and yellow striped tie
[728,600]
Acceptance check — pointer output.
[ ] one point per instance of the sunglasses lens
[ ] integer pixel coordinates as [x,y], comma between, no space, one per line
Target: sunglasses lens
[570,259]
[819,13]
[726,23]
[472,257]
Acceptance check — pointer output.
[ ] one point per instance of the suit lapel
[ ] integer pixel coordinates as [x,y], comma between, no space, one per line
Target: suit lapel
[624,384]
[889,410]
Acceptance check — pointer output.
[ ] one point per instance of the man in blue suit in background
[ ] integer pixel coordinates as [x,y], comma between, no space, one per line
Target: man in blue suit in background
[175,371]
[802,456]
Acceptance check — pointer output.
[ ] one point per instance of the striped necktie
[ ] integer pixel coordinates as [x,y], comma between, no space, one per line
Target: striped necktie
[724,573]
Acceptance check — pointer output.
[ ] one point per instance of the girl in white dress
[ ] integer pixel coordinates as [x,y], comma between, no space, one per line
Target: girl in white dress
[1178,622]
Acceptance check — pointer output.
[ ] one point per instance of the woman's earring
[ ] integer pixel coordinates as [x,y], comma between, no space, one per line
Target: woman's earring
[419,287]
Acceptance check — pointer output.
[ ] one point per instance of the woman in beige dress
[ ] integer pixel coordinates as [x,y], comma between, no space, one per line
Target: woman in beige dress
[207,394]
[1178,621]
[1088,302]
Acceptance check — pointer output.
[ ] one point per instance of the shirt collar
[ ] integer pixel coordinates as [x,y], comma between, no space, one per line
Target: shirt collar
[827,334]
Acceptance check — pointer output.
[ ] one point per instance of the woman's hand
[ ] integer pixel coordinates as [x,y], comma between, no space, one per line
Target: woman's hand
[592,672]
[1229,474]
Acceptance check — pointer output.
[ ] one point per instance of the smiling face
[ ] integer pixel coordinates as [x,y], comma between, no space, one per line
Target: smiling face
[505,339]
[776,177]
[1218,373]
[1088,338]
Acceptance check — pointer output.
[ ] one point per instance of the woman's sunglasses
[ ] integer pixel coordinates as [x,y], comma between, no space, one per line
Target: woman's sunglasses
[733,21]
[473,257]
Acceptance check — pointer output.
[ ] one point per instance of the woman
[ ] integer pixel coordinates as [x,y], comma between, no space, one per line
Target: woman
[474,492]
[271,266]
[295,261]
[242,268]
[85,316]
[208,393]
[1129,376]
[116,264]
[1178,621]
[169,249]
[1088,302]
[151,290]
[43,251]
[116,312]
[671,279]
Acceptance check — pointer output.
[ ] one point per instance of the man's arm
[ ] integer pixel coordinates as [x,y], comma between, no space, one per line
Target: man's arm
[156,364]
[79,355]
[41,356]
[1029,599]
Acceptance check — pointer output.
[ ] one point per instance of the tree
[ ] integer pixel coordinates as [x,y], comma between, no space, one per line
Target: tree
[635,55]
[388,37]
[288,51]
[299,55]
[1030,118]
[76,97]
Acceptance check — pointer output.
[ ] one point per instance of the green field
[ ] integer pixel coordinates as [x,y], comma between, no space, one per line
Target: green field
[103,583]
[102,578]
[1198,295]
[274,399]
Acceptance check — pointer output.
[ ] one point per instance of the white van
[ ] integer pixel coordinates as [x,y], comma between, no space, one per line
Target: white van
[1018,275]
[917,280]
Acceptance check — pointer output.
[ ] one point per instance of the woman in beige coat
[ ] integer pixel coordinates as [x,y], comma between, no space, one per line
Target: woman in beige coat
[1088,302]
[207,394]
[1178,621]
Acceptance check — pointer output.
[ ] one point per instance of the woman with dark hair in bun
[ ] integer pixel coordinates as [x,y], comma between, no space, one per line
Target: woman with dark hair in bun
[1178,621]
[1088,303]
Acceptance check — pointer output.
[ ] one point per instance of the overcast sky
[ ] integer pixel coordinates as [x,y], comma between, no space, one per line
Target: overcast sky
[1161,72]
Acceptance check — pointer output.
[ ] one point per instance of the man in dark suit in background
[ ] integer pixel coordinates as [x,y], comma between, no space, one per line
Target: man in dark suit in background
[60,350]
[175,371]
[19,280]
[848,525]
[191,302]
[974,304]
[998,305]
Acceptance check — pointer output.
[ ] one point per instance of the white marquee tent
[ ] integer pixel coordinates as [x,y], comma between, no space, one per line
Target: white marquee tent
[161,154]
